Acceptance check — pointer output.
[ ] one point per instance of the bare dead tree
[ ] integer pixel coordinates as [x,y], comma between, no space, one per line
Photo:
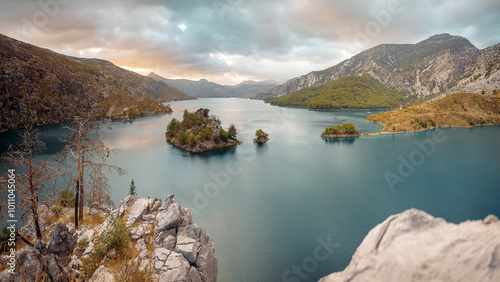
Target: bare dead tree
[33,175]
[85,150]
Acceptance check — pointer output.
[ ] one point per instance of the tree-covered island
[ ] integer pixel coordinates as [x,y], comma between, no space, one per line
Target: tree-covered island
[261,137]
[198,132]
[344,130]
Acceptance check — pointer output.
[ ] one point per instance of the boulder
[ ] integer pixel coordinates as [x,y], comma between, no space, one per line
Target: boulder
[102,274]
[148,218]
[136,232]
[490,219]
[169,218]
[124,204]
[194,276]
[168,201]
[138,209]
[160,256]
[414,246]
[62,242]
[30,267]
[55,271]
[207,263]
[177,270]
[188,247]
[170,243]
[95,208]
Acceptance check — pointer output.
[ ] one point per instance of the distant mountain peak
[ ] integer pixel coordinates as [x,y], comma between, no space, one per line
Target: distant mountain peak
[441,64]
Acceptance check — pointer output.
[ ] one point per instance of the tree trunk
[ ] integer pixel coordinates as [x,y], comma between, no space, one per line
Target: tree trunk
[36,219]
[82,193]
[77,194]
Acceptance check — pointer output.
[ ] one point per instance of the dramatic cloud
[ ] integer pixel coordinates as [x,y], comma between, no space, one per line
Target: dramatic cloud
[228,41]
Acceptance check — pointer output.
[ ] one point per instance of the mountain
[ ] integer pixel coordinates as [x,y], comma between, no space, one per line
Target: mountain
[39,86]
[442,64]
[349,92]
[206,89]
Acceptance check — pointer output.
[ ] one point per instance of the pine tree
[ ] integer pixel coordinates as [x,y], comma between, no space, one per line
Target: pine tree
[132,190]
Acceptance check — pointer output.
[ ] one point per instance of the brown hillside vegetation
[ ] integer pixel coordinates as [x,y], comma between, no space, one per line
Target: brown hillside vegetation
[457,110]
[39,86]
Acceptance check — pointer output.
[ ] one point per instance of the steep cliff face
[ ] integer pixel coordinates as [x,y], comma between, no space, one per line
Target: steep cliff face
[433,66]
[414,246]
[39,86]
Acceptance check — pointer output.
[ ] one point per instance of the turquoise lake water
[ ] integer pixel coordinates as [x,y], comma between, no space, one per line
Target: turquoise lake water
[268,208]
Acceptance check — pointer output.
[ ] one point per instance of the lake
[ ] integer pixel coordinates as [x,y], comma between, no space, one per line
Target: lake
[269,207]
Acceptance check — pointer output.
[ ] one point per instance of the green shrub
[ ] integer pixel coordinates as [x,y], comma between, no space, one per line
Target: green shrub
[261,134]
[81,246]
[116,237]
[231,133]
[133,189]
[57,210]
[184,138]
[65,198]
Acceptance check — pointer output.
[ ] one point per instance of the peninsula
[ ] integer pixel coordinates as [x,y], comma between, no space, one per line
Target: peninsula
[456,110]
[198,132]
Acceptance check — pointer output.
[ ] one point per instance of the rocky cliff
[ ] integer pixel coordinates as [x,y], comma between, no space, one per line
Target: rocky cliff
[442,64]
[165,245]
[39,86]
[414,246]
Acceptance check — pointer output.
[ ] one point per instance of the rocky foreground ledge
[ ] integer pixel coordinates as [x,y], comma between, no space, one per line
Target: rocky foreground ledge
[166,244]
[414,246]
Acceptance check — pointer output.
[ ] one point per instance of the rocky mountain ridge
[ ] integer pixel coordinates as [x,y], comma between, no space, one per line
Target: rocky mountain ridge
[442,64]
[39,86]
[206,89]
[415,246]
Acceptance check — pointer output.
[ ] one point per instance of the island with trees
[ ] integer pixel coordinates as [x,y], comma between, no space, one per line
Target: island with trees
[199,132]
[261,137]
[344,130]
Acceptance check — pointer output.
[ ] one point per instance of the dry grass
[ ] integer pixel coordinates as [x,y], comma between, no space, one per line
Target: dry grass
[93,220]
[129,271]
[457,110]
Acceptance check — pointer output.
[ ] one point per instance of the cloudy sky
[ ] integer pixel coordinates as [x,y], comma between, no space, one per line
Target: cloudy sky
[228,41]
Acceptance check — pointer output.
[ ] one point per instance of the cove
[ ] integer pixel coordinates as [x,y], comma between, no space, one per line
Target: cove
[269,208]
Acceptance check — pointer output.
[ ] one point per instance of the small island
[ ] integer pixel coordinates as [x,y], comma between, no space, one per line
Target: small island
[198,132]
[344,130]
[261,137]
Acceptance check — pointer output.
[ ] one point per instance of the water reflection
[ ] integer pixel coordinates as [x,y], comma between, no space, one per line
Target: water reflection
[341,140]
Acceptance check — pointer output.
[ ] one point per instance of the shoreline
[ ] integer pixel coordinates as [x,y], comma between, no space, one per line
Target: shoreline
[422,130]
[339,135]
[218,146]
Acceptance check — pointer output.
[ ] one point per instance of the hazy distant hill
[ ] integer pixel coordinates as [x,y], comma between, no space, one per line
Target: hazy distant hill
[442,64]
[44,87]
[206,89]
